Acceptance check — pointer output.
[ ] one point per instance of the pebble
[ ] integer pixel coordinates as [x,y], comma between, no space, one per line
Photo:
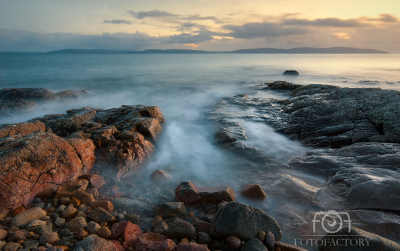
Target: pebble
[203,238]
[24,218]
[11,246]
[233,242]
[104,232]
[269,240]
[93,227]
[69,212]
[59,222]
[18,210]
[261,236]
[83,208]
[76,202]
[161,227]
[155,221]
[133,218]
[82,233]
[65,200]
[43,229]
[76,223]
[49,237]
[3,234]
[36,223]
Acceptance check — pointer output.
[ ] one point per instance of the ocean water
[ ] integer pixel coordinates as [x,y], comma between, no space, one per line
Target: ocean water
[184,86]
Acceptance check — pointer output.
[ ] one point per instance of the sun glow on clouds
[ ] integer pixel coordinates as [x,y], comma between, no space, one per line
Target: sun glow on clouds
[342,35]
[192,45]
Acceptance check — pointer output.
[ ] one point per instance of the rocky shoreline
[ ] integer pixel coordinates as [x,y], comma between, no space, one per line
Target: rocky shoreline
[66,179]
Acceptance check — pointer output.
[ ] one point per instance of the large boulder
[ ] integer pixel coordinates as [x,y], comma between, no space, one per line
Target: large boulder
[38,163]
[357,240]
[123,136]
[28,94]
[245,222]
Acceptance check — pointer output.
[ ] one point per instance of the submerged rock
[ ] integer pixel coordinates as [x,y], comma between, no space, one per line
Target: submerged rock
[291,73]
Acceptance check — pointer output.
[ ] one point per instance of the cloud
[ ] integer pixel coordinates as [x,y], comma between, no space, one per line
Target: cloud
[387,18]
[153,13]
[325,22]
[260,30]
[187,38]
[165,14]
[117,21]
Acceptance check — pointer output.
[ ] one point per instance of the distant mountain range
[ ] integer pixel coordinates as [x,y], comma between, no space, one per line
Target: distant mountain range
[301,50]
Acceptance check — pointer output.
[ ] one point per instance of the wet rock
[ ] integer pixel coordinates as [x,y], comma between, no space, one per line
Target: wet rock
[155,221]
[170,209]
[261,236]
[375,242]
[28,94]
[361,187]
[188,193]
[204,226]
[254,245]
[245,222]
[49,237]
[76,223]
[23,219]
[133,218]
[254,191]
[94,243]
[160,175]
[291,73]
[106,204]
[190,246]
[43,229]
[180,229]
[100,215]
[93,191]
[71,94]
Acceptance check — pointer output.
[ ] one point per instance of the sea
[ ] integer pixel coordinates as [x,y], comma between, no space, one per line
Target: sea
[185,86]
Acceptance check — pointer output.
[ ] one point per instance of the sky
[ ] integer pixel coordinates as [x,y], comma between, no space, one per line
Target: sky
[214,25]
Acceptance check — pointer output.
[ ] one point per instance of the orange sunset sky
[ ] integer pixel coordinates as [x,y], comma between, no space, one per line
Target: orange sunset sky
[218,25]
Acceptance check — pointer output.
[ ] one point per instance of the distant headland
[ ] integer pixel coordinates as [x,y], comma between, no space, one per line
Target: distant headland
[300,50]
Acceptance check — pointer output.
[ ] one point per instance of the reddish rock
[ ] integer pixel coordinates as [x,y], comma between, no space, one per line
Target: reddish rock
[95,180]
[21,129]
[190,246]
[106,204]
[76,202]
[217,194]
[160,175]
[253,191]
[84,197]
[118,245]
[100,215]
[152,241]
[188,193]
[286,247]
[26,164]
[85,149]
[93,191]
[127,231]
[68,189]
[18,210]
